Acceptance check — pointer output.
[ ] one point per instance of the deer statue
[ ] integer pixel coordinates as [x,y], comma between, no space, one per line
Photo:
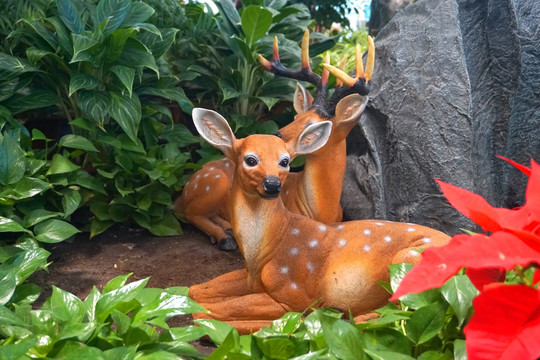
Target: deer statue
[292,261]
[314,192]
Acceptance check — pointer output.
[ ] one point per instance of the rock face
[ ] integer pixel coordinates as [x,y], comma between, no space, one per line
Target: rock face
[382,11]
[456,83]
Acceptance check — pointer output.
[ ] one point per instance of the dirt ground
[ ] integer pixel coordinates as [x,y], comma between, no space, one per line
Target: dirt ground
[169,261]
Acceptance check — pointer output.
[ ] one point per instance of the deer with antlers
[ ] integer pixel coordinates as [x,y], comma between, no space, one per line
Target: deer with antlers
[292,261]
[314,192]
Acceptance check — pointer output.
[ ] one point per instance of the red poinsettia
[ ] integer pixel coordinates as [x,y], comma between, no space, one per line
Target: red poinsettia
[506,320]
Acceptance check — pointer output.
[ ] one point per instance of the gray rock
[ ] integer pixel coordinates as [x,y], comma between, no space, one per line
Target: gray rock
[456,83]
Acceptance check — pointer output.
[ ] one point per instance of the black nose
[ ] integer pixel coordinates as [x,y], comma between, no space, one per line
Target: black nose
[271,185]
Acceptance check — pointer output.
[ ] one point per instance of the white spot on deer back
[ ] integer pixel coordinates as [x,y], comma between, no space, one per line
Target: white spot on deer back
[340,226]
[294,251]
[367,248]
[313,243]
[342,242]
[310,267]
[284,270]
[367,232]
[322,227]
[295,231]
[387,239]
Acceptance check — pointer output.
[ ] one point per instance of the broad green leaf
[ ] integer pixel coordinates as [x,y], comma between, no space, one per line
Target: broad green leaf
[148,27]
[165,307]
[86,180]
[127,113]
[11,66]
[42,31]
[344,340]
[39,135]
[8,225]
[425,323]
[159,45]
[397,273]
[126,75]
[27,188]
[136,54]
[34,99]
[73,350]
[385,339]
[70,201]
[230,13]
[81,43]
[61,165]
[90,303]
[34,55]
[24,264]
[78,330]
[387,355]
[158,355]
[82,81]
[63,34]
[288,323]
[7,288]
[122,321]
[168,225]
[256,21]
[65,306]
[8,317]
[53,231]
[436,355]
[460,352]
[111,300]
[18,350]
[268,101]
[139,13]
[187,333]
[228,90]
[459,292]
[116,283]
[76,142]
[8,88]
[38,215]
[216,330]
[177,94]
[276,348]
[12,159]
[26,293]
[81,123]
[69,15]
[115,11]
[94,104]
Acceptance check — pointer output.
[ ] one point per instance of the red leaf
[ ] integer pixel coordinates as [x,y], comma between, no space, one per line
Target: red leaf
[520,167]
[505,324]
[501,250]
[482,277]
[471,205]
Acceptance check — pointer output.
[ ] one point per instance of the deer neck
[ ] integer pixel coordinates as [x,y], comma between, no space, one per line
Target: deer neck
[259,225]
[322,181]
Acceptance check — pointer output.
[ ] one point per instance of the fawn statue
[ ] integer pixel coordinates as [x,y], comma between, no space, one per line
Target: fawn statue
[292,261]
[314,192]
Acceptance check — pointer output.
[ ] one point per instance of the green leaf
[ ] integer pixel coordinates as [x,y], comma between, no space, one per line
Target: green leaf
[116,283]
[140,12]
[385,339]
[81,43]
[12,159]
[8,317]
[76,142]
[81,123]
[53,231]
[230,13]
[127,113]
[24,264]
[228,90]
[126,75]
[136,54]
[288,323]
[8,225]
[73,350]
[167,226]
[111,300]
[425,323]
[70,201]
[216,330]
[256,21]
[18,350]
[26,293]
[268,101]
[82,81]
[70,17]
[276,348]
[387,355]
[11,66]
[61,165]
[460,352]
[115,11]
[159,45]
[7,288]
[65,306]
[165,307]
[26,188]
[34,99]
[38,215]
[63,34]
[459,292]
[94,104]
[344,340]
[176,94]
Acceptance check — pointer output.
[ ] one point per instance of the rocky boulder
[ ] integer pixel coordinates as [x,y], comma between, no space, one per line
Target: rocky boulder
[456,83]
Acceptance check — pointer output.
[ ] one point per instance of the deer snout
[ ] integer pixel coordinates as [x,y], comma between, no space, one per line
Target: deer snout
[271,186]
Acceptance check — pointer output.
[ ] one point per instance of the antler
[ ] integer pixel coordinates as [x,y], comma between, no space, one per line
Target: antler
[304,74]
[357,83]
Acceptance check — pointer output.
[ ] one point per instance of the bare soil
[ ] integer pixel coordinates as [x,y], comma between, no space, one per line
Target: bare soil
[182,260]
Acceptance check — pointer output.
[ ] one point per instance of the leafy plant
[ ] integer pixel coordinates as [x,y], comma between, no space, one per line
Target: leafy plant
[95,65]
[223,72]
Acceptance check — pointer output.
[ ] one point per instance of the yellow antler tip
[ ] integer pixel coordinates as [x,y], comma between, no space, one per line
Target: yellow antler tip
[264,62]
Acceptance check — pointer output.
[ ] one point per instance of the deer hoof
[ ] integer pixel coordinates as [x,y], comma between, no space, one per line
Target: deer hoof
[227,244]
[213,240]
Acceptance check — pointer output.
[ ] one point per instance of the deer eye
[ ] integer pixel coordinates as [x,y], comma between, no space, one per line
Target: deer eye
[251,160]
[284,163]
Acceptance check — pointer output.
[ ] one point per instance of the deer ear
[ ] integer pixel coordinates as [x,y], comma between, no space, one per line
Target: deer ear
[312,138]
[350,108]
[302,99]
[215,129]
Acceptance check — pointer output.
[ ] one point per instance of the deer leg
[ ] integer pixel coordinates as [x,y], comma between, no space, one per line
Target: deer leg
[248,313]
[229,285]
[228,243]
[215,232]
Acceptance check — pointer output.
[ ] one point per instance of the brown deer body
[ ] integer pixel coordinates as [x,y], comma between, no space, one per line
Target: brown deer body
[314,192]
[292,261]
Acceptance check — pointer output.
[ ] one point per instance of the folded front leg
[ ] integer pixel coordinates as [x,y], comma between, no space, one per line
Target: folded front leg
[229,285]
[247,313]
